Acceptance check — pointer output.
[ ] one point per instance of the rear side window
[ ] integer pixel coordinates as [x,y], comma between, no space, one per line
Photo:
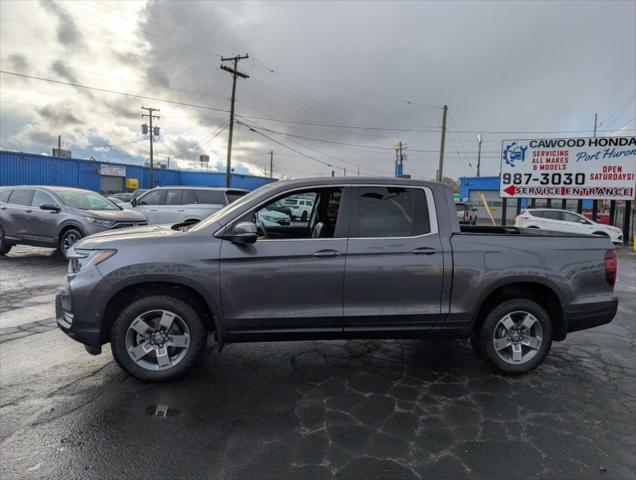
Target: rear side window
[537,213]
[188,197]
[173,197]
[391,212]
[152,198]
[21,197]
[211,197]
[234,195]
[42,198]
[4,195]
[552,215]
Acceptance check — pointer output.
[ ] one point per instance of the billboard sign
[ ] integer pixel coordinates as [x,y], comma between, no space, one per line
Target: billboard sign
[204,158]
[569,168]
[112,170]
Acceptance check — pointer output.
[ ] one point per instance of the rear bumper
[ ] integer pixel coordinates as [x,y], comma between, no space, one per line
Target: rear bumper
[584,316]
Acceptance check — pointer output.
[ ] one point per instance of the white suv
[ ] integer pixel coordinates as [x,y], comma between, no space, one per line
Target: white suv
[300,207]
[565,221]
[184,204]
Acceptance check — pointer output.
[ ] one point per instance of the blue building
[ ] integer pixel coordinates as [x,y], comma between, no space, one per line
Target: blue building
[18,168]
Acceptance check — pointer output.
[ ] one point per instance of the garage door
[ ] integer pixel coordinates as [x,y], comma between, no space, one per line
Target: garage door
[111,184]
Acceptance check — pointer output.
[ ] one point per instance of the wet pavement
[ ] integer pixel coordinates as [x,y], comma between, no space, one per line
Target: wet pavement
[310,410]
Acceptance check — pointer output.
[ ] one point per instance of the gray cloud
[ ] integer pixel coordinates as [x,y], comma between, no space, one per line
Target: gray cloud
[67,32]
[19,63]
[58,116]
[63,71]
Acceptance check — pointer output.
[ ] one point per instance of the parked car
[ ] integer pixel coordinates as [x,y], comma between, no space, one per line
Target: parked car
[300,207]
[57,217]
[271,218]
[124,197]
[379,258]
[184,204]
[466,213]
[565,221]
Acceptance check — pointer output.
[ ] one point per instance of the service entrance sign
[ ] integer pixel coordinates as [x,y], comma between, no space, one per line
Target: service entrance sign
[570,168]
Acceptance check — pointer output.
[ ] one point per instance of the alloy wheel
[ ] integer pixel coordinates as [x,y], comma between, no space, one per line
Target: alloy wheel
[157,340]
[517,337]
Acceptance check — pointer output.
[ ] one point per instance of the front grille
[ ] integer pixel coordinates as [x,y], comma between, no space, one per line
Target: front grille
[128,224]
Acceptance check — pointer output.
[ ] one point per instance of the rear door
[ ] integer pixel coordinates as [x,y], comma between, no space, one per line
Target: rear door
[394,269]
[208,202]
[172,210]
[18,212]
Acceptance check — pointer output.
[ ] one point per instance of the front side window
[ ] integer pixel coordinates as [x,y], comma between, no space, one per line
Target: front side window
[42,198]
[570,217]
[4,195]
[390,212]
[276,222]
[83,200]
[21,197]
[152,198]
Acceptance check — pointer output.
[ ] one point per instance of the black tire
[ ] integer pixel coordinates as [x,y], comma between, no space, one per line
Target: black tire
[4,246]
[483,340]
[197,337]
[66,240]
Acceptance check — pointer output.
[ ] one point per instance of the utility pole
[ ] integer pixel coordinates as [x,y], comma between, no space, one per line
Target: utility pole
[595,120]
[271,164]
[235,73]
[479,140]
[400,156]
[358,171]
[151,134]
[345,172]
[440,169]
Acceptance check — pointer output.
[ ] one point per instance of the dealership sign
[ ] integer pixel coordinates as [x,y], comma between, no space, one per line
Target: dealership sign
[570,168]
[112,170]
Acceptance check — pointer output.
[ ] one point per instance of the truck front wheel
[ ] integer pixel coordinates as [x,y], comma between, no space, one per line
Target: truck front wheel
[515,337]
[158,338]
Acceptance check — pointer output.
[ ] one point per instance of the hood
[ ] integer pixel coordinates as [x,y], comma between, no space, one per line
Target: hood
[116,215]
[113,238]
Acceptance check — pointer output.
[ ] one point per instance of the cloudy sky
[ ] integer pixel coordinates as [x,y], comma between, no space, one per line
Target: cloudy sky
[332,85]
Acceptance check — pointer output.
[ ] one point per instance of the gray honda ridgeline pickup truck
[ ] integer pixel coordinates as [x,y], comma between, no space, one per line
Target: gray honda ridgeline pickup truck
[377,258]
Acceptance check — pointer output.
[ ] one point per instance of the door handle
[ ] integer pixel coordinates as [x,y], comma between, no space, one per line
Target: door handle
[28,211]
[424,251]
[327,253]
[3,208]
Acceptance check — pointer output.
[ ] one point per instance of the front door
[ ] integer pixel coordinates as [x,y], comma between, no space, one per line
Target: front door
[394,268]
[149,204]
[291,278]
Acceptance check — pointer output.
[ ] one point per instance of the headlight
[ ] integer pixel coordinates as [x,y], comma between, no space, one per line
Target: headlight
[100,221]
[80,260]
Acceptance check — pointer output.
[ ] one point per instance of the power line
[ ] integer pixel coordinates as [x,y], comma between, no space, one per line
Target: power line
[105,90]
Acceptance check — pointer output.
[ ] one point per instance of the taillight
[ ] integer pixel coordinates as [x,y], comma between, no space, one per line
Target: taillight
[520,218]
[465,214]
[611,266]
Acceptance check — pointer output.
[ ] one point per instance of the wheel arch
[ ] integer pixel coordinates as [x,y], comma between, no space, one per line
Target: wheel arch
[67,226]
[178,287]
[537,289]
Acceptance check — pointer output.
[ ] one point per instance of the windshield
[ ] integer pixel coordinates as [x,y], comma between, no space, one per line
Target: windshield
[227,210]
[85,200]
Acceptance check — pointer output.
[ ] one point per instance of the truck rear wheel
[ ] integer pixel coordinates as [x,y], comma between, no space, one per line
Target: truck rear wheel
[158,338]
[515,337]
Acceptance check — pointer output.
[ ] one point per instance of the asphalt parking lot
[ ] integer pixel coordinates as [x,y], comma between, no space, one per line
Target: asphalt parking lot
[310,410]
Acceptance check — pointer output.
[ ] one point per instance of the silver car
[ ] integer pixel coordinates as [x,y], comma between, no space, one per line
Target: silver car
[57,217]
[164,205]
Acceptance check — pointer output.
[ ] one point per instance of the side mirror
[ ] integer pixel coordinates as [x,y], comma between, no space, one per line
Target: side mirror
[133,202]
[50,207]
[243,233]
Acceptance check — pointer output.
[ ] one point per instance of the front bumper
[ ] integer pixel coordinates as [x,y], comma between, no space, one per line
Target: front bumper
[78,308]
[584,316]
